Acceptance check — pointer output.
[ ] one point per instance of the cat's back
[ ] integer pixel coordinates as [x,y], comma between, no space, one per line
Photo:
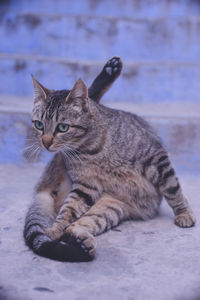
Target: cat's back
[136,122]
[127,119]
[127,127]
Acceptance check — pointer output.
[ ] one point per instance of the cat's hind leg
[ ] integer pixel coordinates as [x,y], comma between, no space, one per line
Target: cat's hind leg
[108,212]
[105,79]
[165,178]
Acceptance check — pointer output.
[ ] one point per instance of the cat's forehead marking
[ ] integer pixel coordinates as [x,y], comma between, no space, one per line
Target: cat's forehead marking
[56,101]
[52,108]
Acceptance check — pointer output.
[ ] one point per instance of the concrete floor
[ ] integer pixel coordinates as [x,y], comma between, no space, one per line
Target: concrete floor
[152,260]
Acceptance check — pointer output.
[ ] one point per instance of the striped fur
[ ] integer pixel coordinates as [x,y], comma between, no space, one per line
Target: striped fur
[109,166]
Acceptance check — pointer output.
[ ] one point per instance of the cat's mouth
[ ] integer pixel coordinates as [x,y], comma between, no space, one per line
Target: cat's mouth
[50,148]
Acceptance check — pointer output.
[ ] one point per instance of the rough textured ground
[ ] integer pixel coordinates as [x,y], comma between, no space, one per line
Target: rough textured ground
[152,260]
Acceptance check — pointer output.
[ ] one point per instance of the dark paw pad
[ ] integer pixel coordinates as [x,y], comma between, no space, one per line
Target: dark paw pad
[76,250]
[113,66]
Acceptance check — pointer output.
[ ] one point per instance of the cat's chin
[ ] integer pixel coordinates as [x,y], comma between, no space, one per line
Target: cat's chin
[52,150]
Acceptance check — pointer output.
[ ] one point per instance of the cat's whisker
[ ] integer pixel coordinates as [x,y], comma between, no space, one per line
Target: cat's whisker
[28,147]
[29,139]
[68,157]
[32,152]
[68,152]
[73,153]
[36,154]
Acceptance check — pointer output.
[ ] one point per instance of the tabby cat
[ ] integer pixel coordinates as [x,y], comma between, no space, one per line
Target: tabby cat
[109,166]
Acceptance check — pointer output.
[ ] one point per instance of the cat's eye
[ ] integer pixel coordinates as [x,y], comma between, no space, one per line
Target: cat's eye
[39,125]
[62,127]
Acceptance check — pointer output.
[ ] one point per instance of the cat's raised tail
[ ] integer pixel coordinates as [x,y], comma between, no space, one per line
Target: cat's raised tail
[110,72]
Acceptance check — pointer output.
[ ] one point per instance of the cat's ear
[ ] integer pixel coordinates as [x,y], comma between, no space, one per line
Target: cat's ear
[79,93]
[79,90]
[40,92]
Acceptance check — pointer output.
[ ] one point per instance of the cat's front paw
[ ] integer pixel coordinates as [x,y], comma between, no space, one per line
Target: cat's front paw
[185,219]
[54,232]
[81,239]
[113,67]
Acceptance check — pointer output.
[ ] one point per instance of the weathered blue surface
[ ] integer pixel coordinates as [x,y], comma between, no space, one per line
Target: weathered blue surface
[117,8]
[13,128]
[138,82]
[13,134]
[158,40]
[97,38]
[60,41]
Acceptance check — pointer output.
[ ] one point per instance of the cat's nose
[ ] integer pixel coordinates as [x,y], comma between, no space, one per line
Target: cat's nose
[47,141]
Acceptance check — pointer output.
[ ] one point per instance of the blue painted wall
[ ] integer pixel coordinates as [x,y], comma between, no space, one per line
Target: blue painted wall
[61,40]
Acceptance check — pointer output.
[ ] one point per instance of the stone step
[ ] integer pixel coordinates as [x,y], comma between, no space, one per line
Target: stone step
[127,256]
[139,81]
[177,124]
[118,8]
[96,38]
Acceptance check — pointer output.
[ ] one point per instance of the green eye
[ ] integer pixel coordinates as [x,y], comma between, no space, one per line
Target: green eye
[39,125]
[62,127]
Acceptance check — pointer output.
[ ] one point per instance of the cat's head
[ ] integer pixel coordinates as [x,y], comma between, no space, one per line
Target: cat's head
[60,119]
